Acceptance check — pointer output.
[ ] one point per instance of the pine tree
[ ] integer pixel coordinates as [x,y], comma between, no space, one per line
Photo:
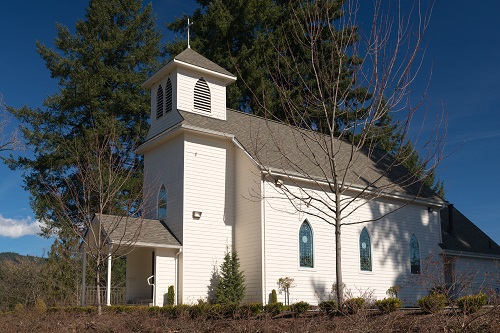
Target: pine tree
[253,31]
[231,283]
[100,69]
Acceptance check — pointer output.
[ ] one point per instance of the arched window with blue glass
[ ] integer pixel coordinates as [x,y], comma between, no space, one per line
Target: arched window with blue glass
[306,245]
[365,252]
[414,255]
[162,203]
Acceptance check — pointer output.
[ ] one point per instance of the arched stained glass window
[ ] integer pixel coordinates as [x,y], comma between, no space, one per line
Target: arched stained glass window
[159,102]
[168,96]
[365,252]
[202,96]
[306,245]
[162,203]
[414,255]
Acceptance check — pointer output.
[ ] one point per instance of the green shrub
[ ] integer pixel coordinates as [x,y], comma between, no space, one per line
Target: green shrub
[472,304]
[225,310]
[353,305]
[433,303]
[168,311]
[200,310]
[40,306]
[170,295]
[393,291]
[388,305]
[328,307]
[250,310]
[274,297]
[120,308]
[299,308]
[274,309]
[18,308]
[181,310]
[77,309]
[230,286]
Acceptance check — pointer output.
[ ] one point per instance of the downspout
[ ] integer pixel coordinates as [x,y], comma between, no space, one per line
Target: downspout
[177,276]
[263,237]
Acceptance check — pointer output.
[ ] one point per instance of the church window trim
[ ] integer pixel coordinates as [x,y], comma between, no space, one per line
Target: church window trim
[162,202]
[365,251]
[414,255]
[159,102]
[168,96]
[306,245]
[202,96]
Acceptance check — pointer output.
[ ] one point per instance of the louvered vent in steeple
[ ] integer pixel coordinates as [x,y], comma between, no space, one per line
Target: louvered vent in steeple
[159,102]
[202,96]
[168,96]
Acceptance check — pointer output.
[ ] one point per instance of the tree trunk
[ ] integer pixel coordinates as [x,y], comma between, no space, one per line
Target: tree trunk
[98,284]
[338,264]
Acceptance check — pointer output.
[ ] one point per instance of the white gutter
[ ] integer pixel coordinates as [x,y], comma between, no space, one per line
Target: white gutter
[263,237]
[177,276]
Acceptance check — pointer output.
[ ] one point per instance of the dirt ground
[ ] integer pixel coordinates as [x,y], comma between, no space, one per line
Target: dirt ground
[487,320]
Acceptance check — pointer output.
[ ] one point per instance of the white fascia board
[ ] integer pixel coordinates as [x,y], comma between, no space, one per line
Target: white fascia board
[355,188]
[207,131]
[170,67]
[144,244]
[160,138]
[470,254]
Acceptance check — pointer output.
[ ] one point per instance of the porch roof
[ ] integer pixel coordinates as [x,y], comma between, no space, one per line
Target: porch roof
[130,231]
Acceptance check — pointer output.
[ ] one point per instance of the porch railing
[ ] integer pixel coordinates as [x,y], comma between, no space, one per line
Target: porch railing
[118,295]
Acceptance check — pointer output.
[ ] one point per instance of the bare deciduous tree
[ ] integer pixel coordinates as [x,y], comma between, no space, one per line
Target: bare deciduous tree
[7,141]
[334,160]
[95,200]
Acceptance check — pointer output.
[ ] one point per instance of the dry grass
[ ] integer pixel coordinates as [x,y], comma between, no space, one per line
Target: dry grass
[487,320]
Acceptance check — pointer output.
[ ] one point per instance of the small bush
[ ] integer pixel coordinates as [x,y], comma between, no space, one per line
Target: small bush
[329,307]
[170,295]
[274,297]
[181,310]
[433,303]
[388,305]
[353,305]
[225,310]
[299,308]
[250,310]
[472,304]
[274,309]
[40,306]
[200,310]
[18,308]
[119,308]
[393,291]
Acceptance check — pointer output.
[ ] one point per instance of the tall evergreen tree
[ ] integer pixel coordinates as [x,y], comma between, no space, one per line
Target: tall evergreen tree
[250,33]
[100,68]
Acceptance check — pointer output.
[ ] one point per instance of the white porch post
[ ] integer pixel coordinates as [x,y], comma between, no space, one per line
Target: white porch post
[108,284]
[84,269]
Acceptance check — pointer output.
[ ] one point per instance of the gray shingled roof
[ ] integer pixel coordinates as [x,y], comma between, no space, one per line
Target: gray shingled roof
[268,142]
[129,231]
[465,235]
[194,58]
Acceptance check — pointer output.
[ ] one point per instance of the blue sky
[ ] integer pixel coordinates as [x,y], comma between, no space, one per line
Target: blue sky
[462,48]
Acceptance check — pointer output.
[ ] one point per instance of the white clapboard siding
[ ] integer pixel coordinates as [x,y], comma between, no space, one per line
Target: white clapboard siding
[164,273]
[390,239]
[390,248]
[247,230]
[163,165]
[187,79]
[282,252]
[477,274]
[208,188]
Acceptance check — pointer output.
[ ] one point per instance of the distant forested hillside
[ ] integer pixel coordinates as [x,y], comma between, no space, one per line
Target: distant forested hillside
[16,257]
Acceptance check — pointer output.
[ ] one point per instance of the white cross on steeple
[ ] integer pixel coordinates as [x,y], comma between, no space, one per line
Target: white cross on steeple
[187,29]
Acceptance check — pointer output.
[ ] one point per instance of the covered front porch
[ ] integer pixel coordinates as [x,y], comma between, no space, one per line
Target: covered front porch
[152,261]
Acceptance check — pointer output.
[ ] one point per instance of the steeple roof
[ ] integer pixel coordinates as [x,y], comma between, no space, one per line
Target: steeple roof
[192,57]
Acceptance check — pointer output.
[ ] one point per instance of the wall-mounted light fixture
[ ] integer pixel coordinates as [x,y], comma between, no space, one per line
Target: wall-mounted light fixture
[196,215]
[430,209]
[279,182]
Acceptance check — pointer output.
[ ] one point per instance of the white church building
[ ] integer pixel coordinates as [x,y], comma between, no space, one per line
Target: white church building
[215,178]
